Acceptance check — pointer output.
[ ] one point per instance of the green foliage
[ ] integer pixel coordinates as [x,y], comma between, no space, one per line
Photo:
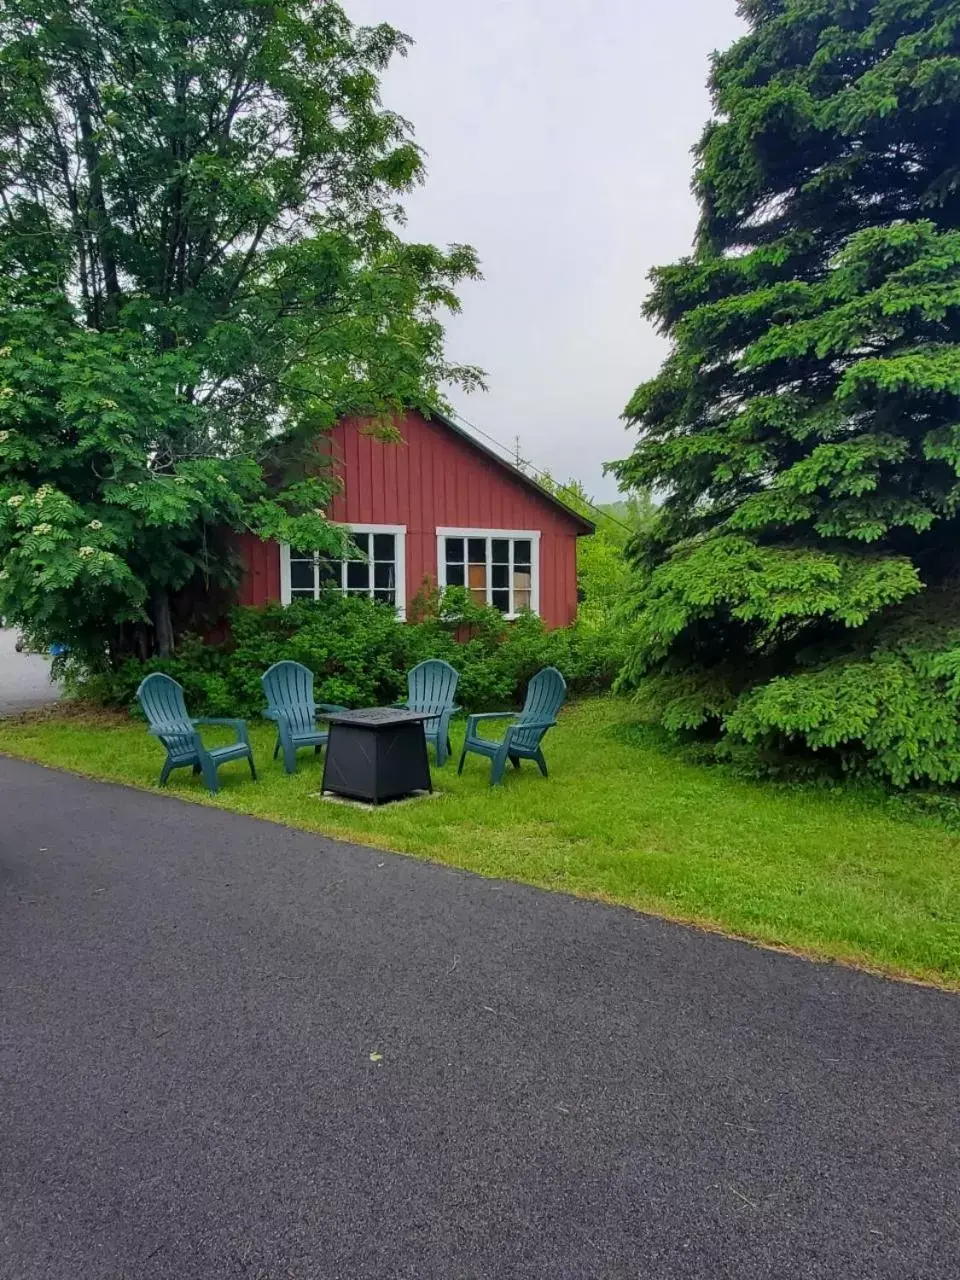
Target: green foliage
[199,272]
[606,579]
[360,654]
[803,432]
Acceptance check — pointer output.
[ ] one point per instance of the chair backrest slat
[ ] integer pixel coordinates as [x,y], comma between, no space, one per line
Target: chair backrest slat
[432,686]
[546,694]
[289,690]
[162,702]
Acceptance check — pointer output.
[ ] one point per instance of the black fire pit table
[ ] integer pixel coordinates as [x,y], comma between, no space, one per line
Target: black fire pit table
[376,755]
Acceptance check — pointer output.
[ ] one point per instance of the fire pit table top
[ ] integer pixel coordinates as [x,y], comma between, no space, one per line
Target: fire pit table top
[376,717]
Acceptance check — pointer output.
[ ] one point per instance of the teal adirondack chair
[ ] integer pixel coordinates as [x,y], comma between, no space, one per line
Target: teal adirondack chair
[545,696]
[290,704]
[161,700]
[431,688]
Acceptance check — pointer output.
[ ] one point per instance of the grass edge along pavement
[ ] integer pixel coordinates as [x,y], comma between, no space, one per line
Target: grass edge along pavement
[832,875]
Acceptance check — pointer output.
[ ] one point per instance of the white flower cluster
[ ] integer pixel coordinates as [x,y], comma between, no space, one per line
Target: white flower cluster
[43,528]
[95,524]
[16,500]
[86,551]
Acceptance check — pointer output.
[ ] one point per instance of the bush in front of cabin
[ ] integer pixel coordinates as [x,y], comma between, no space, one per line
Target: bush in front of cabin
[360,655]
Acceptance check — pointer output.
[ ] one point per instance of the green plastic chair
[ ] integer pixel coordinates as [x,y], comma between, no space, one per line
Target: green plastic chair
[546,694]
[161,700]
[431,688]
[290,704]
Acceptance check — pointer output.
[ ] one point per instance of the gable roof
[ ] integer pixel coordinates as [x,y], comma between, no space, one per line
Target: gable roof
[585,526]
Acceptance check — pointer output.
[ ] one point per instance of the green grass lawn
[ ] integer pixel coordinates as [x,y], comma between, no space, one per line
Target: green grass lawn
[622,819]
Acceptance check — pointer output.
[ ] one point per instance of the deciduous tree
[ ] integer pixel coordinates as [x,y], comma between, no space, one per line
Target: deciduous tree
[200,272]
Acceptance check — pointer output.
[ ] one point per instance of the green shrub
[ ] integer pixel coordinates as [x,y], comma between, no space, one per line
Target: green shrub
[360,655]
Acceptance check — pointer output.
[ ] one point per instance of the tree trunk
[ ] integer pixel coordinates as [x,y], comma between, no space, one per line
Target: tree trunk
[162,624]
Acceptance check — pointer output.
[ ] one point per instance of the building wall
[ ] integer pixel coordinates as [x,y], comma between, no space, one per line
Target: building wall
[433,479]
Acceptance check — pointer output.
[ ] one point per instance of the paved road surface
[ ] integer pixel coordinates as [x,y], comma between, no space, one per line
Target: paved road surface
[24,677]
[191,1002]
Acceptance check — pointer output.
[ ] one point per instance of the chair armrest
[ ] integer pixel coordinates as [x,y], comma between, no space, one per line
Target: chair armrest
[534,724]
[238,726]
[488,715]
[270,714]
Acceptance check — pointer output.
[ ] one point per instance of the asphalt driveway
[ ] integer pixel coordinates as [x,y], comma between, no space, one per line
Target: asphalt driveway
[228,1049]
[24,677]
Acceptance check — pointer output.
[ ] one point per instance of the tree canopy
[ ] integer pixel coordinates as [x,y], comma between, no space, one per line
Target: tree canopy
[201,270]
[804,432]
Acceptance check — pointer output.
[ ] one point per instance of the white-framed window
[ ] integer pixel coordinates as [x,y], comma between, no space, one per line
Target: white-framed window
[379,573]
[499,567]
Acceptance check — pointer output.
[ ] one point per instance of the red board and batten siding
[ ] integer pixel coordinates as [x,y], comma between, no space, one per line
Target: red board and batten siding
[434,479]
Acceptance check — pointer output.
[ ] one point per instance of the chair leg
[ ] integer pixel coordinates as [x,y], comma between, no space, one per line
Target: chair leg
[276,747]
[515,761]
[166,771]
[253,767]
[541,763]
[210,776]
[196,770]
[498,764]
[442,749]
[289,753]
[463,756]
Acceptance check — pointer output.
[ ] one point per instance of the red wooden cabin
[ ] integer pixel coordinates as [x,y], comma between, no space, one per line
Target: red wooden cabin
[440,507]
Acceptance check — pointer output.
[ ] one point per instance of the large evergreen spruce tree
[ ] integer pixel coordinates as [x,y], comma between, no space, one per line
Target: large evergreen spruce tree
[803,587]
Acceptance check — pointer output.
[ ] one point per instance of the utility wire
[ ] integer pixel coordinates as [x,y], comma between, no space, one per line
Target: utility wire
[535,472]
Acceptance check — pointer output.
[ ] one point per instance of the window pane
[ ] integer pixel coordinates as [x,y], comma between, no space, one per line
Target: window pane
[384,546]
[521,552]
[477,578]
[358,576]
[454,551]
[522,580]
[501,576]
[363,542]
[328,571]
[500,551]
[521,600]
[388,597]
[455,575]
[477,550]
[501,601]
[384,576]
[301,576]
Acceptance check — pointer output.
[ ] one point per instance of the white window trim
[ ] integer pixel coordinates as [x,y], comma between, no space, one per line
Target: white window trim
[399,532]
[525,535]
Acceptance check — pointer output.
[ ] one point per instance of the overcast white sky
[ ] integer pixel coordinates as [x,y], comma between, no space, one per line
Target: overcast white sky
[558,136]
